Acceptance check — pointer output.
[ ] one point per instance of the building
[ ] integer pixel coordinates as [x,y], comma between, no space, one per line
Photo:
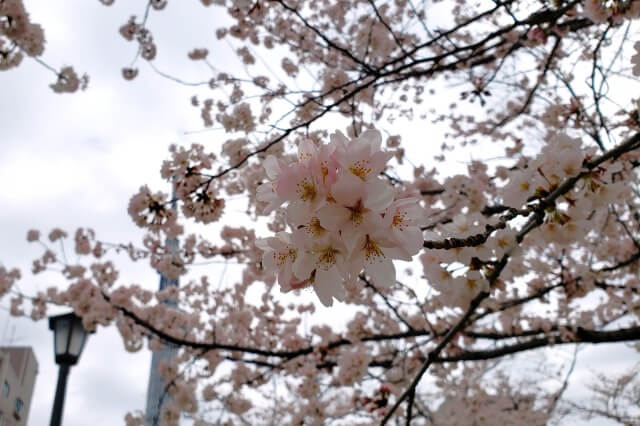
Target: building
[156,394]
[157,397]
[18,370]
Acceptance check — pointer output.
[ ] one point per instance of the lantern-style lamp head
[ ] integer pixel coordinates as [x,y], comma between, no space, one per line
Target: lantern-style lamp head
[69,337]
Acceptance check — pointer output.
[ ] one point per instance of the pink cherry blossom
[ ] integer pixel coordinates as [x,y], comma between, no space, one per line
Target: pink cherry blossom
[343,216]
[279,253]
[321,263]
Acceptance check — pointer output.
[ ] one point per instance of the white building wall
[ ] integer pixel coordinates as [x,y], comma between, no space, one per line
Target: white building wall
[18,371]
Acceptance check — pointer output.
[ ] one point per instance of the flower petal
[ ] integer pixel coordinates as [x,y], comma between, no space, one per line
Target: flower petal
[348,189]
[374,139]
[381,271]
[410,239]
[379,195]
[352,237]
[272,167]
[299,213]
[333,216]
[328,285]
[303,266]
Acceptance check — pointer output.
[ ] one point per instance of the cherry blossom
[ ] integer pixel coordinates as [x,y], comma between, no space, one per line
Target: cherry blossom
[343,215]
[500,216]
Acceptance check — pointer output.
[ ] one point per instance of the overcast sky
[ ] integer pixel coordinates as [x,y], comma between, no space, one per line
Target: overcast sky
[75,160]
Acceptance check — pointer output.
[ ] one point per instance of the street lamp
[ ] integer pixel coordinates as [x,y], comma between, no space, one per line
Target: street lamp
[69,337]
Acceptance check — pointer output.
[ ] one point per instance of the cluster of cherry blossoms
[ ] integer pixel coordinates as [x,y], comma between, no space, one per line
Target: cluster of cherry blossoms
[18,35]
[7,278]
[345,218]
[132,30]
[560,158]
[599,11]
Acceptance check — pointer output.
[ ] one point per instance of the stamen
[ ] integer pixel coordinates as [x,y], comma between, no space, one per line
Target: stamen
[361,169]
[306,190]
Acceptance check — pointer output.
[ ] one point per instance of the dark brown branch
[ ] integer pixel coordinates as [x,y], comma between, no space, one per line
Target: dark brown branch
[368,284]
[533,91]
[330,44]
[581,336]
[533,222]
[386,25]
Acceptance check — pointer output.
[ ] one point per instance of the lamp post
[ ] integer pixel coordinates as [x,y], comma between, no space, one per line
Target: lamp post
[69,337]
